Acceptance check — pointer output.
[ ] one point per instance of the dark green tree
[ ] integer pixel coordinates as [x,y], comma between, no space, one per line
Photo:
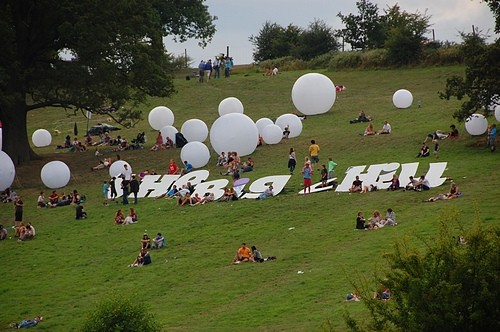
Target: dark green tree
[405,35]
[316,40]
[452,285]
[365,30]
[116,50]
[274,41]
[479,87]
[495,9]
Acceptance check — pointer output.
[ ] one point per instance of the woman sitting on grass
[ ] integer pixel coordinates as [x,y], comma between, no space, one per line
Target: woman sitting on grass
[453,193]
[26,233]
[145,241]
[131,218]
[375,220]
[119,217]
[142,259]
[369,130]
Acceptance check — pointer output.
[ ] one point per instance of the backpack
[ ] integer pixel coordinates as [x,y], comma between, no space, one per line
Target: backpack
[180,140]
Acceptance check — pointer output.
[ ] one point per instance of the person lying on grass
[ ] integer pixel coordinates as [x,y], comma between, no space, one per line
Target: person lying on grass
[453,193]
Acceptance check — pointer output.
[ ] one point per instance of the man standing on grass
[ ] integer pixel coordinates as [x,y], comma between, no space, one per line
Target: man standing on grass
[134,187]
[314,153]
[127,176]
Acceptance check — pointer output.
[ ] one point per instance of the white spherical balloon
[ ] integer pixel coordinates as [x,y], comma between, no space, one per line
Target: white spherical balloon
[41,138]
[168,131]
[116,167]
[55,174]
[234,132]
[160,117]
[272,134]
[194,130]
[230,105]
[497,113]
[402,98]
[263,123]
[293,122]
[196,153]
[476,124]
[313,93]
[7,171]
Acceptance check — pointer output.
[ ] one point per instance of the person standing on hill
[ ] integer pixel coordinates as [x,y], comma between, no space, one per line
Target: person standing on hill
[201,71]
[216,67]
[134,187]
[492,136]
[307,173]
[314,153]
[18,209]
[331,167]
[292,161]
[112,187]
[208,70]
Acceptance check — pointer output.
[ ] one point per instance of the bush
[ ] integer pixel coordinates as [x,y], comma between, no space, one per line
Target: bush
[321,61]
[120,315]
[451,286]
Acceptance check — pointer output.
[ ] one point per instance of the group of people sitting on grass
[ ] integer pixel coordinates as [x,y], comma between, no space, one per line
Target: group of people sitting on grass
[376,221]
[144,257]
[245,254]
[415,184]
[22,231]
[233,165]
[160,144]
[55,199]
[121,219]
[386,129]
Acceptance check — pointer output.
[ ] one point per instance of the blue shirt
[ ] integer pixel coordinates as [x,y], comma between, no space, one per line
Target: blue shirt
[493,133]
[189,167]
[307,173]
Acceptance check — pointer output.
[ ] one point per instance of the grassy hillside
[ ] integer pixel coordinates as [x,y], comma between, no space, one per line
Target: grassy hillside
[72,265]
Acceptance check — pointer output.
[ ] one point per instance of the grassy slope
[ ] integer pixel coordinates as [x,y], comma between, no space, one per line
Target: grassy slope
[190,285]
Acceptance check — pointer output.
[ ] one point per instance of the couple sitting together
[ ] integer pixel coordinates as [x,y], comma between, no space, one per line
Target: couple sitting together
[244,254]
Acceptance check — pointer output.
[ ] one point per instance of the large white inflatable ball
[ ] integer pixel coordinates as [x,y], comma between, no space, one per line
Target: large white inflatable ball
[41,138]
[55,174]
[194,130]
[497,113]
[160,117]
[234,132]
[293,122]
[117,168]
[272,134]
[168,131]
[313,93]
[402,98]
[476,124]
[7,171]
[263,123]
[196,153]
[230,105]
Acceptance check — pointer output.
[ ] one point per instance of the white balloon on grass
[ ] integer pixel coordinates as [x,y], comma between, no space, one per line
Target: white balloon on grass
[196,153]
[117,168]
[230,105]
[272,134]
[160,117]
[497,113]
[41,138]
[402,98]
[292,121]
[313,93]
[168,131]
[7,171]
[195,130]
[476,124]
[55,174]
[234,132]
[263,123]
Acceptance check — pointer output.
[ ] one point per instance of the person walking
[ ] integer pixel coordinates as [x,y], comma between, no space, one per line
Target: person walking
[314,153]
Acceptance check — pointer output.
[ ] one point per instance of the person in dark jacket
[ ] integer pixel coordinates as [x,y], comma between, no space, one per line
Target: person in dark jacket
[134,187]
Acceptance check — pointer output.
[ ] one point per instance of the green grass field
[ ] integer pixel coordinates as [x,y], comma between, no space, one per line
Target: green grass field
[72,265]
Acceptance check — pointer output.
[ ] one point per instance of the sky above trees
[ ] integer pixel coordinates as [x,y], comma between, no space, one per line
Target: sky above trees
[238,20]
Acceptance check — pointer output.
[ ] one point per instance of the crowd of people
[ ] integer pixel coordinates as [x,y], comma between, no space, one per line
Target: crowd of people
[208,69]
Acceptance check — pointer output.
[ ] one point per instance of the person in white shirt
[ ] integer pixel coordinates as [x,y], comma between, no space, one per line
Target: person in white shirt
[386,129]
